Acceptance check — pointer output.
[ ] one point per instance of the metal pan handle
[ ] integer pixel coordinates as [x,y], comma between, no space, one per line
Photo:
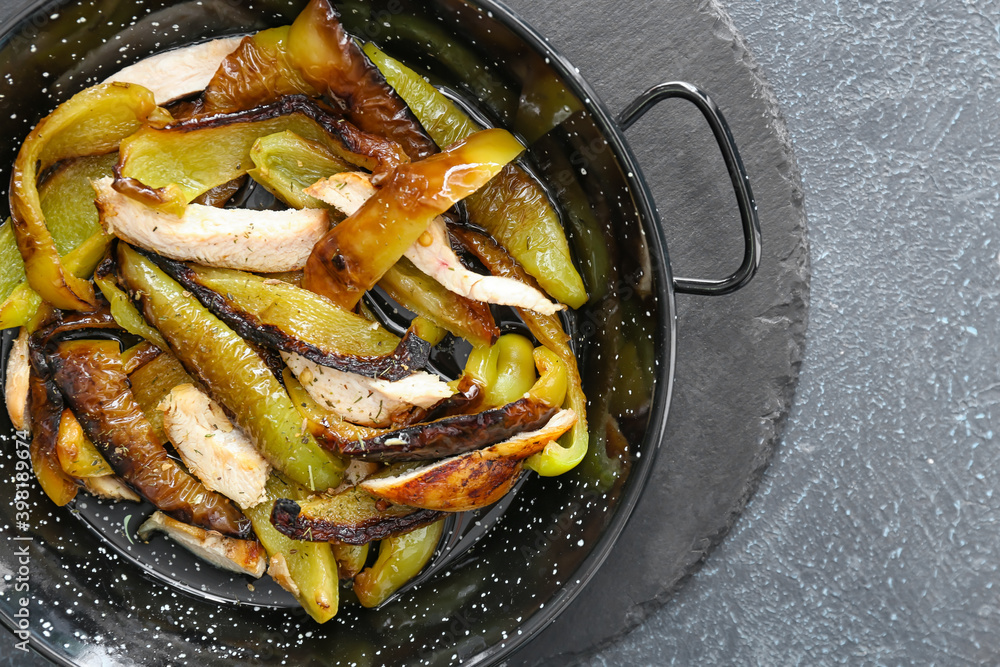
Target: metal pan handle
[741,184]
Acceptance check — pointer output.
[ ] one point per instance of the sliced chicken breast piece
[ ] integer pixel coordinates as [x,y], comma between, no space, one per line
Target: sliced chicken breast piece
[432,252]
[229,553]
[263,241]
[364,400]
[215,451]
[16,383]
[178,73]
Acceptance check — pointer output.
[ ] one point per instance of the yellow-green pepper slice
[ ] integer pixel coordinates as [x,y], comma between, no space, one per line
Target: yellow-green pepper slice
[400,558]
[232,371]
[92,122]
[286,164]
[512,207]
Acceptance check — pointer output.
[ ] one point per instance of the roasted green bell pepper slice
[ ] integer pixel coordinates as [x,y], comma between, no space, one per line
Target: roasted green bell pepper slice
[505,371]
[286,164]
[355,254]
[400,558]
[331,62]
[125,314]
[92,122]
[564,455]
[77,454]
[46,412]
[169,166]
[232,371]
[512,207]
[256,73]
[308,568]
[350,558]
[67,201]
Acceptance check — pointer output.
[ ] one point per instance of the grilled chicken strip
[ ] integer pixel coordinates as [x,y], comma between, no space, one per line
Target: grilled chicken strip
[432,253]
[214,450]
[263,241]
[364,400]
[244,556]
[178,73]
[16,384]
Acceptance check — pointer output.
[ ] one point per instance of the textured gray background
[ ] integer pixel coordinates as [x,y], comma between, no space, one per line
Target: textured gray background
[873,537]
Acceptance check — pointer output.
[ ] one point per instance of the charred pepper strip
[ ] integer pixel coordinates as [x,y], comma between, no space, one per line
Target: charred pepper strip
[282,316]
[91,376]
[452,435]
[556,458]
[355,254]
[400,558]
[232,371]
[307,568]
[512,207]
[169,166]
[352,517]
[92,122]
[46,411]
[257,72]
[331,61]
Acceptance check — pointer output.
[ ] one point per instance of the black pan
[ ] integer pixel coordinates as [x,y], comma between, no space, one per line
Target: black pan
[93,594]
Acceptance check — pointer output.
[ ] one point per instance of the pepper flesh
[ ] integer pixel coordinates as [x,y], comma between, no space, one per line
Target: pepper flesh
[282,316]
[311,565]
[125,314]
[512,207]
[234,374]
[400,558]
[91,375]
[333,63]
[556,458]
[285,164]
[92,122]
[505,371]
[355,254]
[77,454]
[169,166]
[46,411]
[152,382]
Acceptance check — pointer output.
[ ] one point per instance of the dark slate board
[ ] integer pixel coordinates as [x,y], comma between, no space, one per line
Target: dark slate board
[738,356]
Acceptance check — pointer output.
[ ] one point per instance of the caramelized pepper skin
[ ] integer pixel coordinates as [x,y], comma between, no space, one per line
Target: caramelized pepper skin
[355,254]
[92,122]
[285,317]
[330,61]
[232,371]
[91,376]
[46,410]
[512,207]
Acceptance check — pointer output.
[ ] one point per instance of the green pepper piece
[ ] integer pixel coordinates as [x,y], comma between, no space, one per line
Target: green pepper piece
[151,383]
[67,200]
[125,314]
[310,565]
[350,558]
[23,303]
[421,294]
[286,164]
[505,371]
[232,371]
[169,166]
[257,72]
[331,62]
[355,254]
[77,454]
[400,558]
[564,455]
[512,207]
[92,122]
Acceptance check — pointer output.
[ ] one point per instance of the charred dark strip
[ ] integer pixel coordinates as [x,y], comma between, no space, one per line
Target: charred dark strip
[452,435]
[297,522]
[410,354]
[92,379]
